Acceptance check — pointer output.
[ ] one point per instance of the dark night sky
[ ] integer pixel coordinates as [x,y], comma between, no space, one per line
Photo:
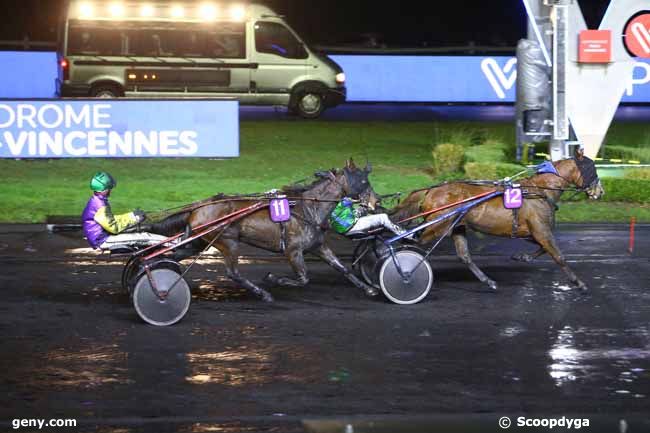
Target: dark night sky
[400,23]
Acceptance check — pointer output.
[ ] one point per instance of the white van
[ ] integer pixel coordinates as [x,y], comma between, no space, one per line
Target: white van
[113,49]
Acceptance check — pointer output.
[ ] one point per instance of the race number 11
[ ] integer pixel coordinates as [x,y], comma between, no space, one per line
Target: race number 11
[279,210]
[513,198]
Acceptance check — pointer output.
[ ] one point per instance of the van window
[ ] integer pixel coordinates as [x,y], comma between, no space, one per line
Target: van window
[223,40]
[95,41]
[227,41]
[156,43]
[190,44]
[274,38]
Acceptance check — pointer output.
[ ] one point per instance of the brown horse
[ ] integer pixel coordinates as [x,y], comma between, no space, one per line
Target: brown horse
[305,232]
[534,221]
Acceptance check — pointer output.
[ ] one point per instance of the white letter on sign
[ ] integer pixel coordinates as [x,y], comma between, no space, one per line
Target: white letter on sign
[187,139]
[98,116]
[58,116]
[11,116]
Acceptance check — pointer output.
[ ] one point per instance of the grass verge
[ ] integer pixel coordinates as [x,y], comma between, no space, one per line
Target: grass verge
[274,153]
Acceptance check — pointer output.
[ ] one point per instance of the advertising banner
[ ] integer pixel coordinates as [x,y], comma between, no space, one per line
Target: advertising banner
[439,79]
[370,78]
[117,128]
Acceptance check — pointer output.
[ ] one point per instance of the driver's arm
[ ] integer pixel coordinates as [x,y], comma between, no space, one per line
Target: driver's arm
[114,224]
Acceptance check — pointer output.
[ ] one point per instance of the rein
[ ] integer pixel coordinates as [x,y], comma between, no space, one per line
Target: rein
[242,198]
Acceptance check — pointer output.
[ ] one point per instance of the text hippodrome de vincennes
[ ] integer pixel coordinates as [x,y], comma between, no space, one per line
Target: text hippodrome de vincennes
[83,130]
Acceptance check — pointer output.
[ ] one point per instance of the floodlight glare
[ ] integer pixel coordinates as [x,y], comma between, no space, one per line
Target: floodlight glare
[208,12]
[86,10]
[177,12]
[237,13]
[147,11]
[116,9]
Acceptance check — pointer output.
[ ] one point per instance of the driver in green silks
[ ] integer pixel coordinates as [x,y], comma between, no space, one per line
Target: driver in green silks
[102,228]
[348,219]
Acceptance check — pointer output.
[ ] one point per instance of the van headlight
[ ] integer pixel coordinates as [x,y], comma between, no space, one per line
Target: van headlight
[340,78]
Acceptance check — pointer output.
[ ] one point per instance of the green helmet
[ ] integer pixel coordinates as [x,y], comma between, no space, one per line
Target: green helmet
[102,181]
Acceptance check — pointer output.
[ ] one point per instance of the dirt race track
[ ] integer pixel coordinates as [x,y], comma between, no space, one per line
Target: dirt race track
[73,346]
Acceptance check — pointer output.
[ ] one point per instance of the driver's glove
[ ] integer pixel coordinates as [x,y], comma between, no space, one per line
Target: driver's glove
[140,215]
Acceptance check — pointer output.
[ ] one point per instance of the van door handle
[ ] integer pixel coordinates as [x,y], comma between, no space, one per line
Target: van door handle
[254,65]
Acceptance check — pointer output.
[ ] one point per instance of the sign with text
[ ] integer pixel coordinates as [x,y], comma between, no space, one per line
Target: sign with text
[595,46]
[119,128]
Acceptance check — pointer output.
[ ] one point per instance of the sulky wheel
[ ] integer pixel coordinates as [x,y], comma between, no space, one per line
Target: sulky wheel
[367,258]
[170,305]
[134,269]
[130,270]
[413,284]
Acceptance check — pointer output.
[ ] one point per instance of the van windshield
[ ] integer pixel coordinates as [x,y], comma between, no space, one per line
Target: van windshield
[222,40]
[274,38]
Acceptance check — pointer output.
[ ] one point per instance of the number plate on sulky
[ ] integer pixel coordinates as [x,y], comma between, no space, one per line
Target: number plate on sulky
[513,198]
[279,210]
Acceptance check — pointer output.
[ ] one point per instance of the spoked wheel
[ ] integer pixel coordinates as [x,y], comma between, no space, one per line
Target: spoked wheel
[167,303]
[412,284]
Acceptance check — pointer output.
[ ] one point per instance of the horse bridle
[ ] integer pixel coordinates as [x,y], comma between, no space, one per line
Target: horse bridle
[588,176]
[588,173]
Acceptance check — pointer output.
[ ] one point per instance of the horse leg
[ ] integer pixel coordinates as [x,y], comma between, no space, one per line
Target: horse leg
[228,248]
[527,258]
[297,262]
[543,235]
[462,250]
[327,255]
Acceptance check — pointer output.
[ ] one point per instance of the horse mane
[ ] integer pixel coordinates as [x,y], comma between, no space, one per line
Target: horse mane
[301,186]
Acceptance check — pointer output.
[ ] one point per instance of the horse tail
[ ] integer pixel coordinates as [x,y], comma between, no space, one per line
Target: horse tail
[171,225]
[409,206]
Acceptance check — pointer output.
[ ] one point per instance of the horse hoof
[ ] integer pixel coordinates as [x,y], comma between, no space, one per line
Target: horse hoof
[270,278]
[492,285]
[583,288]
[524,258]
[371,292]
[267,297]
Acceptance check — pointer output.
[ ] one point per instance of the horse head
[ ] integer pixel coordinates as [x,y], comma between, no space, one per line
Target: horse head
[587,176]
[581,172]
[357,186]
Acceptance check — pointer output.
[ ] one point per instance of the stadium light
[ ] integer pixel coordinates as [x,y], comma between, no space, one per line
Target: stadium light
[147,11]
[208,12]
[177,11]
[116,10]
[237,13]
[86,10]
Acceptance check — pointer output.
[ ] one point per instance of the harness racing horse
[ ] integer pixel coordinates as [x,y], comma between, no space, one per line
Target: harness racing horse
[534,221]
[304,232]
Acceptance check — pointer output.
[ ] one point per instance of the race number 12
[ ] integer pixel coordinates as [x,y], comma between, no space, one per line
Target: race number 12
[513,198]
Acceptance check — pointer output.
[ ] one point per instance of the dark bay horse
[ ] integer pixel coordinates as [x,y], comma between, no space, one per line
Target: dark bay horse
[305,232]
[535,219]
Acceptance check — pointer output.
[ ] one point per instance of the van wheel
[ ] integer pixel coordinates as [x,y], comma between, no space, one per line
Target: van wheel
[106,91]
[309,105]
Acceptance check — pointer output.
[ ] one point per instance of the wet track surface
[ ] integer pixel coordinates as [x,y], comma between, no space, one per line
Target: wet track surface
[73,347]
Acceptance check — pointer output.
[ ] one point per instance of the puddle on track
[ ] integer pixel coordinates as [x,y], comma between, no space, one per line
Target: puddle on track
[620,361]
